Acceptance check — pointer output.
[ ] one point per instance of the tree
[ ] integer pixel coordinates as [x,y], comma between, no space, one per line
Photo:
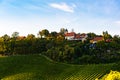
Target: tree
[116,39]
[6,43]
[15,34]
[106,35]
[30,36]
[68,54]
[44,33]
[2,46]
[6,37]
[60,38]
[63,30]
[54,34]
[13,41]
[91,35]
[40,33]
[53,53]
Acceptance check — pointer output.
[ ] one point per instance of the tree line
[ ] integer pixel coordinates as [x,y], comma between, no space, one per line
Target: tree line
[55,46]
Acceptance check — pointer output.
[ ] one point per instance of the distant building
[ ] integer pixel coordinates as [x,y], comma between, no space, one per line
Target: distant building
[83,37]
[74,36]
[108,40]
[70,36]
[97,39]
[21,37]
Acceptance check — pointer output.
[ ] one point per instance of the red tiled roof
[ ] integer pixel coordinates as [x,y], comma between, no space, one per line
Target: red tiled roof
[77,36]
[82,35]
[98,39]
[21,37]
[70,34]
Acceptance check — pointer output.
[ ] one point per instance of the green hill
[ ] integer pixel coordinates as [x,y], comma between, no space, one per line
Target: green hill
[36,67]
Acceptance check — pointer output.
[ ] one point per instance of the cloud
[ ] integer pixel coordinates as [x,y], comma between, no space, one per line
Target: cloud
[63,7]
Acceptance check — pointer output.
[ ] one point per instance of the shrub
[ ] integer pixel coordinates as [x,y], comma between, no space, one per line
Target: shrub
[113,75]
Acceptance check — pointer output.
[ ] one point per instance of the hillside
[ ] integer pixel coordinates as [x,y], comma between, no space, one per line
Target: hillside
[36,67]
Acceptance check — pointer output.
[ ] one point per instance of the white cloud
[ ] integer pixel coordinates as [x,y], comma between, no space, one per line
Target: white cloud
[63,7]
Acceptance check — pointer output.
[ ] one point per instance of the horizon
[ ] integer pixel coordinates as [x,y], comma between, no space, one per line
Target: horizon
[29,17]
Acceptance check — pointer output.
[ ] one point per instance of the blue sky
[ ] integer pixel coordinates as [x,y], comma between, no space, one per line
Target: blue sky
[30,16]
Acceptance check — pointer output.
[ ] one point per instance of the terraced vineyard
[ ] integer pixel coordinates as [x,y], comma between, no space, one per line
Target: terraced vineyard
[35,67]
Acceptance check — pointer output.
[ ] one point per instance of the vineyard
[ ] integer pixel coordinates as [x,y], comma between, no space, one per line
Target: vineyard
[36,67]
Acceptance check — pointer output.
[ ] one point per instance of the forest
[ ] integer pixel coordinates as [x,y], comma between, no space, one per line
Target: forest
[56,47]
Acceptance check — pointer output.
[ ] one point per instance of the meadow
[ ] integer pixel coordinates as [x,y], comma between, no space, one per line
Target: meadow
[37,67]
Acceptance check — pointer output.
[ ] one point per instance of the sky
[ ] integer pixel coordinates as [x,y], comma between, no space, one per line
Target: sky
[32,16]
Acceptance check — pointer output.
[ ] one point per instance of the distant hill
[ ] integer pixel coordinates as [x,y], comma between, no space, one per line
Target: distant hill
[37,67]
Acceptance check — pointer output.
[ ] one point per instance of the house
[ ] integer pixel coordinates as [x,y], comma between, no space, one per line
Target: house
[70,36]
[108,40]
[83,37]
[97,39]
[77,37]
[74,36]
[21,37]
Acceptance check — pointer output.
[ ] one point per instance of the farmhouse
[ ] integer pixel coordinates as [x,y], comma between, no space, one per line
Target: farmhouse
[70,36]
[21,37]
[74,36]
[97,39]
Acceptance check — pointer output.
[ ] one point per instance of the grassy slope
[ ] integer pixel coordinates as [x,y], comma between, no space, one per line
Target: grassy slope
[40,68]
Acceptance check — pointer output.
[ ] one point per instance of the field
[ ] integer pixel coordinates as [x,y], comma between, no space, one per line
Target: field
[37,67]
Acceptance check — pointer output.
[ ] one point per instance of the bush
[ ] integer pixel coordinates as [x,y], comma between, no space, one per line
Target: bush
[113,75]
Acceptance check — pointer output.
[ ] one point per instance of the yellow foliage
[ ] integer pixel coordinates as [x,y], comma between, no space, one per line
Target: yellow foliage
[113,75]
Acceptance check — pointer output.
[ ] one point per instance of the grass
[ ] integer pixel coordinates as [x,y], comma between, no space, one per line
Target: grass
[36,67]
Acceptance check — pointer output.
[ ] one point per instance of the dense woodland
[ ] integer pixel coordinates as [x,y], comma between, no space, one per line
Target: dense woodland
[55,46]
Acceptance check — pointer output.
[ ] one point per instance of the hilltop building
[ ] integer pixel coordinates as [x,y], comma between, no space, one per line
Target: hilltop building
[74,36]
